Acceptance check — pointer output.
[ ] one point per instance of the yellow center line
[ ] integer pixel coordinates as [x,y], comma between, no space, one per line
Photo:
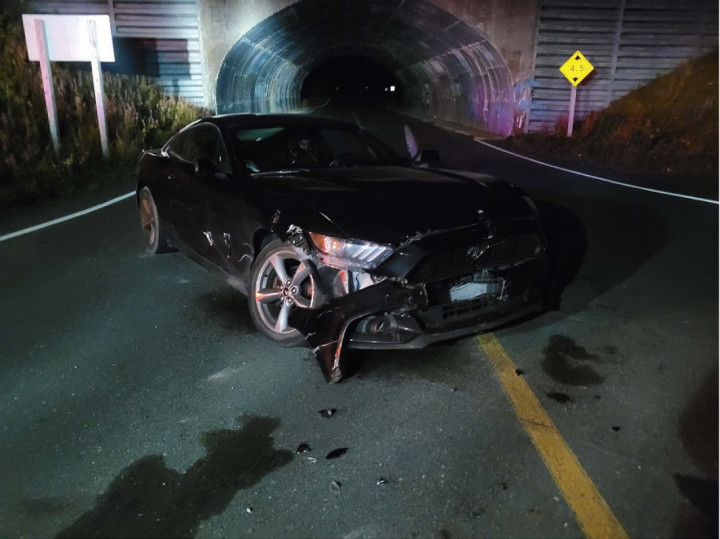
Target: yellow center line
[592,512]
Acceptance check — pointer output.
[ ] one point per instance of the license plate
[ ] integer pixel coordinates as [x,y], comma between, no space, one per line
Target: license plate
[477,287]
[466,291]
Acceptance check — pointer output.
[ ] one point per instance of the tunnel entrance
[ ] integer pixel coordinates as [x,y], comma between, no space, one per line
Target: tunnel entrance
[353,78]
[446,69]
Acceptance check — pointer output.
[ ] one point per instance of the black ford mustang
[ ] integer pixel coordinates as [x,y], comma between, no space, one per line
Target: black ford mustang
[338,241]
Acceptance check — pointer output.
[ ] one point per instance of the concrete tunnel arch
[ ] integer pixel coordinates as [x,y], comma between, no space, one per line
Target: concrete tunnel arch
[449,70]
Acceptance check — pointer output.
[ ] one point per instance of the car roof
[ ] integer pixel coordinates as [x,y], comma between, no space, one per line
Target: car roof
[236,120]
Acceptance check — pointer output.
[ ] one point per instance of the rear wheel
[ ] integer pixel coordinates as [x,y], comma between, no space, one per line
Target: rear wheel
[155,237]
[281,282]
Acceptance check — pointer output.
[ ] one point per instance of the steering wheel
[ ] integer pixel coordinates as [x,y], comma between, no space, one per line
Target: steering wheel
[344,160]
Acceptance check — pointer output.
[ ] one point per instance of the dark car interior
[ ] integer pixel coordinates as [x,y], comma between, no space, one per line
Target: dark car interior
[268,149]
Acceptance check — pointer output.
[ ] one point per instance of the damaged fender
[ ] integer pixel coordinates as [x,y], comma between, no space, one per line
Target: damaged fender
[325,328]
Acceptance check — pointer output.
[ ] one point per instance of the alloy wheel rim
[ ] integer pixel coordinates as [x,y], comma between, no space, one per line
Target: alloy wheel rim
[284,284]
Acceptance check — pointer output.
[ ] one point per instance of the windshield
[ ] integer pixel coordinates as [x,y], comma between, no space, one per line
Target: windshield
[294,147]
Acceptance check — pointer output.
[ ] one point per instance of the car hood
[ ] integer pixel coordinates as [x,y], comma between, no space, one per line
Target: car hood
[391,204]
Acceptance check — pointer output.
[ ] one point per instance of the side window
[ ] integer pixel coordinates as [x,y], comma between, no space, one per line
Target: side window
[263,148]
[200,141]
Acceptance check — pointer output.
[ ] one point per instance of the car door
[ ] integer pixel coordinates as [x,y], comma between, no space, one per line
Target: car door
[212,173]
[180,173]
[199,155]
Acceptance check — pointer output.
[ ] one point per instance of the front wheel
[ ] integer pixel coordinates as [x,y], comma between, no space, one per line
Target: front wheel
[281,282]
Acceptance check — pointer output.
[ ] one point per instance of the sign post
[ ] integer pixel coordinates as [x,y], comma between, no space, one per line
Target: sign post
[46,74]
[98,86]
[70,38]
[575,69]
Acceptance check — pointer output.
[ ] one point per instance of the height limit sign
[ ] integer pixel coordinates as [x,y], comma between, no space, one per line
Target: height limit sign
[575,69]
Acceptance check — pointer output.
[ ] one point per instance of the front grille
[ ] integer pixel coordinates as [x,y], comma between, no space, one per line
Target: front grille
[457,313]
[500,252]
[466,308]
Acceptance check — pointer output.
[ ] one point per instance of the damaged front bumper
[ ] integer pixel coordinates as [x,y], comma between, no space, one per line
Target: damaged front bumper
[436,286]
[391,315]
[325,328]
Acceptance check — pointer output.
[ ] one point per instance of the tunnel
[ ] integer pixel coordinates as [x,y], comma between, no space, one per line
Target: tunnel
[447,70]
[351,78]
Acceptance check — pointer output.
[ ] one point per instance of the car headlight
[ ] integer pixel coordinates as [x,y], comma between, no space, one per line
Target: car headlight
[350,253]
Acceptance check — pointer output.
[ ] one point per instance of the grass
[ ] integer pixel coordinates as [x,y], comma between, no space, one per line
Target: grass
[138,115]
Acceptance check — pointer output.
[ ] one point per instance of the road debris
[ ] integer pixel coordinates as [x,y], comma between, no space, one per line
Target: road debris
[560,397]
[336,453]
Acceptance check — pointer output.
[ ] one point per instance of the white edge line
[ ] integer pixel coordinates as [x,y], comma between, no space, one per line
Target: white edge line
[66,218]
[678,195]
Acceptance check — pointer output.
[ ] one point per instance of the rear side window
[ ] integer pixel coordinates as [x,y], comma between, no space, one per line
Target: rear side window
[202,141]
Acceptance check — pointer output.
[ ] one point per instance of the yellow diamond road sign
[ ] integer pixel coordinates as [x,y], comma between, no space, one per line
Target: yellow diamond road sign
[576,68]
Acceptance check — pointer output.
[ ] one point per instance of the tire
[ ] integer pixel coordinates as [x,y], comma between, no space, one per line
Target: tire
[153,231]
[273,296]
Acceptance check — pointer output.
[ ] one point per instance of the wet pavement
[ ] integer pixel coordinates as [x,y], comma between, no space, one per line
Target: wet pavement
[140,401]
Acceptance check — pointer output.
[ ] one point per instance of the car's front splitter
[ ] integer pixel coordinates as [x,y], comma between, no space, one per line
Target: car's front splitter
[499,314]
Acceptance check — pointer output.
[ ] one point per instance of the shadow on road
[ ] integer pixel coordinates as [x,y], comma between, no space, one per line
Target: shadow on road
[147,499]
[226,307]
[594,246]
[565,234]
[698,430]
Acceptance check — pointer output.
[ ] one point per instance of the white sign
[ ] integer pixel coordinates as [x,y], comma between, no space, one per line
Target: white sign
[69,39]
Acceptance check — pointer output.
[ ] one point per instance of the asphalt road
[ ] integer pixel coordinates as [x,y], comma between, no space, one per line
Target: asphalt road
[139,400]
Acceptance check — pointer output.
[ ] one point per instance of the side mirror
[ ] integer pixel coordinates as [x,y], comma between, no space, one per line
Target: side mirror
[426,159]
[419,157]
[204,167]
[428,156]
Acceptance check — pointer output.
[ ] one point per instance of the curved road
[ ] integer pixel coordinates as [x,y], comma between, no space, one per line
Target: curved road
[139,400]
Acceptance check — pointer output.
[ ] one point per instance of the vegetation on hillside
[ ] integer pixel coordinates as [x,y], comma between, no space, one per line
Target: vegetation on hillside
[669,126]
[138,115]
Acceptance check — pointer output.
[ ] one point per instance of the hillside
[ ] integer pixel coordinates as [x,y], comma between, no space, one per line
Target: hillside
[669,126]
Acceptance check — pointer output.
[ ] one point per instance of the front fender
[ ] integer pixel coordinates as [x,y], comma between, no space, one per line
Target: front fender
[325,328]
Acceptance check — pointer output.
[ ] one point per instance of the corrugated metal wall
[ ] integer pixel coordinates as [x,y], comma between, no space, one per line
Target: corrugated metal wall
[167,37]
[629,42]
